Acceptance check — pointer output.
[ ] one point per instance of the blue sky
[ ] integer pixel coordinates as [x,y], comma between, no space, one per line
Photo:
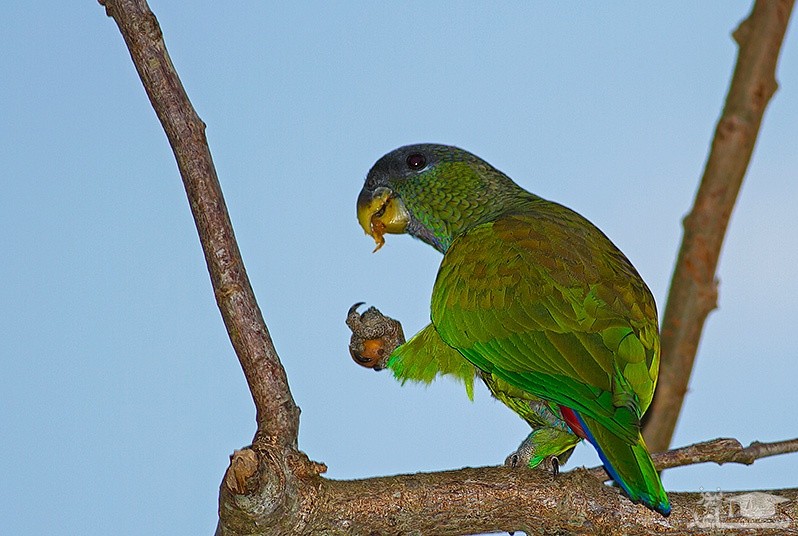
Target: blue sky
[120,396]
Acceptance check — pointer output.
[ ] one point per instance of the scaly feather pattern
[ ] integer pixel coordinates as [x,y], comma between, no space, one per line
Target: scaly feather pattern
[535,298]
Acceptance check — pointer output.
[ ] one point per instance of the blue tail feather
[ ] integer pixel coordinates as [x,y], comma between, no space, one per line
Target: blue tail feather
[660,505]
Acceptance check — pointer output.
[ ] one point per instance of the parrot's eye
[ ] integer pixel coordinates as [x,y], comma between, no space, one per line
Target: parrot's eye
[416,161]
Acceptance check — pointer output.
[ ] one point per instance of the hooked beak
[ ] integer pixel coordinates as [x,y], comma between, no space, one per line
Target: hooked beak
[380,212]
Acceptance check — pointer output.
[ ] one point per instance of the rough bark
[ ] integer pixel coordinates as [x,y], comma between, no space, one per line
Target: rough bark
[491,499]
[277,414]
[694,288]
[272,488]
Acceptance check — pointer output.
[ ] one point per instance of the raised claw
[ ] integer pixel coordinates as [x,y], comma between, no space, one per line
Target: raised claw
[353,309]
[554,465]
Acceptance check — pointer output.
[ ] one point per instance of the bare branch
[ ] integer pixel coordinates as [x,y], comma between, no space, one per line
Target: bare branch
[720,451]
[277,415]
[693,292]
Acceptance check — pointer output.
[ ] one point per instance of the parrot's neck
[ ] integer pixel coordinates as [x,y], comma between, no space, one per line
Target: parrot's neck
[456,209]
[440,240]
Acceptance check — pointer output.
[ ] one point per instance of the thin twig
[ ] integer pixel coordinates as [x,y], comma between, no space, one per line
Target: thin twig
[720,451]
[277,415]
[693,291]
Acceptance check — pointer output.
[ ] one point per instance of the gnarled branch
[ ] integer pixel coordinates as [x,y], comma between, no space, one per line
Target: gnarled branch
[492,499]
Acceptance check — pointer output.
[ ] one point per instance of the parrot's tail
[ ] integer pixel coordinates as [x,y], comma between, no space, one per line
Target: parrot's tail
[630,465]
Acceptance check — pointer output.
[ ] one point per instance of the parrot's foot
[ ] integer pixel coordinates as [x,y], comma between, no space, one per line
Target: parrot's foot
[523,458]
[517,459]
[374,336]
[547,448]
[525,455]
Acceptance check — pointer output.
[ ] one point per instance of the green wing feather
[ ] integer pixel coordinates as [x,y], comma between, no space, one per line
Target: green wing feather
[544,301]
[426,356]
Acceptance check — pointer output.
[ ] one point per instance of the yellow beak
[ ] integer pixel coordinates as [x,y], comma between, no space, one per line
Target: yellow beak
[380,213]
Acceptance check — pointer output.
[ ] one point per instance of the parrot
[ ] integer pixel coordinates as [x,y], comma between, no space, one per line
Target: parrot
[531,298]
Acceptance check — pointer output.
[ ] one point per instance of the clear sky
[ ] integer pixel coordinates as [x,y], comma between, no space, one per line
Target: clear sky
[120,395]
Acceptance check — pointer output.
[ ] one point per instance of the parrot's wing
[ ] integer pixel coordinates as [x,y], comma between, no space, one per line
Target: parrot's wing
[548,304]
[426,356]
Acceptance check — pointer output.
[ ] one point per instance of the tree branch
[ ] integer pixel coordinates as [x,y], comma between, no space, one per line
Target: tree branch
[694,289]
[720,451]
[277,415]
[490,499]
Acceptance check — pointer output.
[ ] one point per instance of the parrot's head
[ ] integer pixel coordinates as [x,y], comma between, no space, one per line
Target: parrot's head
[432,192]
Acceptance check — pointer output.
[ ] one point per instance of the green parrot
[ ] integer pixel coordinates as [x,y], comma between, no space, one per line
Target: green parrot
[533,299]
